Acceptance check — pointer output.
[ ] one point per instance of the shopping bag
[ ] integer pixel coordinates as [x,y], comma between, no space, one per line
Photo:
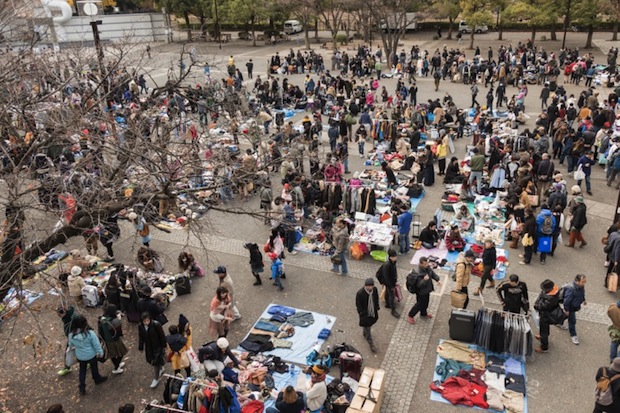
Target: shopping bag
[70,358]
[536,319]
[336,259]
[356,251]
[612,282]
[398,293]
[379,255]
[184,360]
[193,360]
[579,174]
[382,295]
[457,299]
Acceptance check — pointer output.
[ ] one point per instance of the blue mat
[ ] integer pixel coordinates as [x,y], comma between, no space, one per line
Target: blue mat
[436,397]
[281,380]
[415,202]
[304,340]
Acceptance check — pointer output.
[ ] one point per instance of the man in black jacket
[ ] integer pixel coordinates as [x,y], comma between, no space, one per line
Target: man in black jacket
[422,279]
[390,277]
[367,304]
[513,295]
[548,305]
[611,371]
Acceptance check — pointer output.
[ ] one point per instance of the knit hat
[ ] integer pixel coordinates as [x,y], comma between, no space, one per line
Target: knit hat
[615,365]
[575,189]
[558,177]
[220,270]
[369,281]
[183,321]
[558,186]
[222,343]
[132,216]
[579,199]
[75,271]
[318,369]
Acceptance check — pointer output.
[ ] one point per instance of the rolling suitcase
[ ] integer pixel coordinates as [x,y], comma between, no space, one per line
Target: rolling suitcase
[90,296]
[462,325]
[350,364]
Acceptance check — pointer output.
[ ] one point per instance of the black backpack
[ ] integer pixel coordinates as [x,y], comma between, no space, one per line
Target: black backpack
[183,285]
[413,279]
[380,276]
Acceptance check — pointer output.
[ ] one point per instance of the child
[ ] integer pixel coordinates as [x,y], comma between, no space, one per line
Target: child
[256,261]
[276,270]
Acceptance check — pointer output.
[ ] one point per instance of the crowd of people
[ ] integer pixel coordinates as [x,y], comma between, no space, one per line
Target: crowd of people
[353,101]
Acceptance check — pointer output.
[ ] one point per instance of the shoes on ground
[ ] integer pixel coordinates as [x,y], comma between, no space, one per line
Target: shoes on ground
[154,383]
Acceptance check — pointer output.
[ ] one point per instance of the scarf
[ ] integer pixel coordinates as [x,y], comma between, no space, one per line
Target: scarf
[371,304]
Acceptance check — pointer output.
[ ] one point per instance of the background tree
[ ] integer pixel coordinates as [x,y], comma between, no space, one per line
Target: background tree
[331,12]
[536,13]
[183,8]
[476,13]
[305,11]
[447,9]
[248,11]
[587,13]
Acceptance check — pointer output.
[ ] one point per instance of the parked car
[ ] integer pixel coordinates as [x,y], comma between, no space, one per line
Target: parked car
[464,28]
[293,26]
[395,22]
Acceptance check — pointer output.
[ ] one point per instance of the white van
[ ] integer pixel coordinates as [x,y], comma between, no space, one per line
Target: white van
[464,28]
[293,26]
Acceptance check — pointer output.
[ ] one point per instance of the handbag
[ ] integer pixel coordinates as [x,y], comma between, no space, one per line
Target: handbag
[527,240]
[70,358]
[336,259]
[458,298]
[612,281]
[184,360]
[194,362]
[383,290]
[398,293]
[579,174]
[105,351]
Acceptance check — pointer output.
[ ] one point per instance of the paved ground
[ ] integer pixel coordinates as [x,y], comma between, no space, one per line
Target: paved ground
[407,352]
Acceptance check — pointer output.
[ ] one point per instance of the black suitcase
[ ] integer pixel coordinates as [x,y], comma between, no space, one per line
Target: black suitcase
[183,285]
[462,325]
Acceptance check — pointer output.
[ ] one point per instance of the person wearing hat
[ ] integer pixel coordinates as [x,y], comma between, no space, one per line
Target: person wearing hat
[577,222]
[216,354]
[316,389]
[277,270]
[152,341]
[367,304]
[423,280]
[142,228]
[548,306]
[464,264]
[489,261]
[613,374]
[76,282]
[226,281]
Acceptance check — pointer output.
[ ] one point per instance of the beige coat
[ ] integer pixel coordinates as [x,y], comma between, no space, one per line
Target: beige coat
[462,272]
[76,283]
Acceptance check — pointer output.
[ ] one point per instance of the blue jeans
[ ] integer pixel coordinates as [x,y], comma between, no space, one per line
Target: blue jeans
[588,186]
[360,146]
[94,369]
[345,162]
[277,281]
[343,264]
[404,243]
[272,410]
[478,176]
[572,321]
[613,351]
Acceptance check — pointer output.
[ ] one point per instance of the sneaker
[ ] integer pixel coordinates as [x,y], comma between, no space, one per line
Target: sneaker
[477,293]
[64,371]
[257,283]
[541,350]
[583,244]
[293,252]
[520,255]
[281,288]
[523,262]
[237,317]
[335,270]
[428,315]
[542,262]
[154,383]
[575,340]
[82,392]
[121,365]
[161,371]
[118,371]
[373,348]
[395,314]
[109,259]
[345,274]
[410,320]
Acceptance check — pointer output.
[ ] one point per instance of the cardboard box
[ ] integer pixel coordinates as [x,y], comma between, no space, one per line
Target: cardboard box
[366,378]
[357,402]
[378,380]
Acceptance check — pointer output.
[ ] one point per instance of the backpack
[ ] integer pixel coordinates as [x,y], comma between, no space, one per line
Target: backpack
[522,143]
[603,394]
[562,293]
[437,75]
[615,164]
[413,280]
[547,225]
[380,276]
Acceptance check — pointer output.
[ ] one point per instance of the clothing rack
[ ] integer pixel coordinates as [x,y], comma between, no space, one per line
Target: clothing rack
[169,409]
[503,332]
[205,385]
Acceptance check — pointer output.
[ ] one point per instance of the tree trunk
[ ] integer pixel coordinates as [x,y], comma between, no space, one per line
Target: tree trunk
[189,29]
[316,29]
[589,38]
[471,39]
[451,20]
[500,33]
[307,38]
[533,36]
[614,36]
[554,35]
[203,25]
[253,23]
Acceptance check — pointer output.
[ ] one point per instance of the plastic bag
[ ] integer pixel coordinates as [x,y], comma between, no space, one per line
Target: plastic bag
[194,363]
[356,251]
[70,358]
[379,255]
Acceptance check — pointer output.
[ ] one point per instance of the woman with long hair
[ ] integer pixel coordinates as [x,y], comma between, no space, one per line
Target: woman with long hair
[84,341]
[111,330]
[288,401]
[220,313]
